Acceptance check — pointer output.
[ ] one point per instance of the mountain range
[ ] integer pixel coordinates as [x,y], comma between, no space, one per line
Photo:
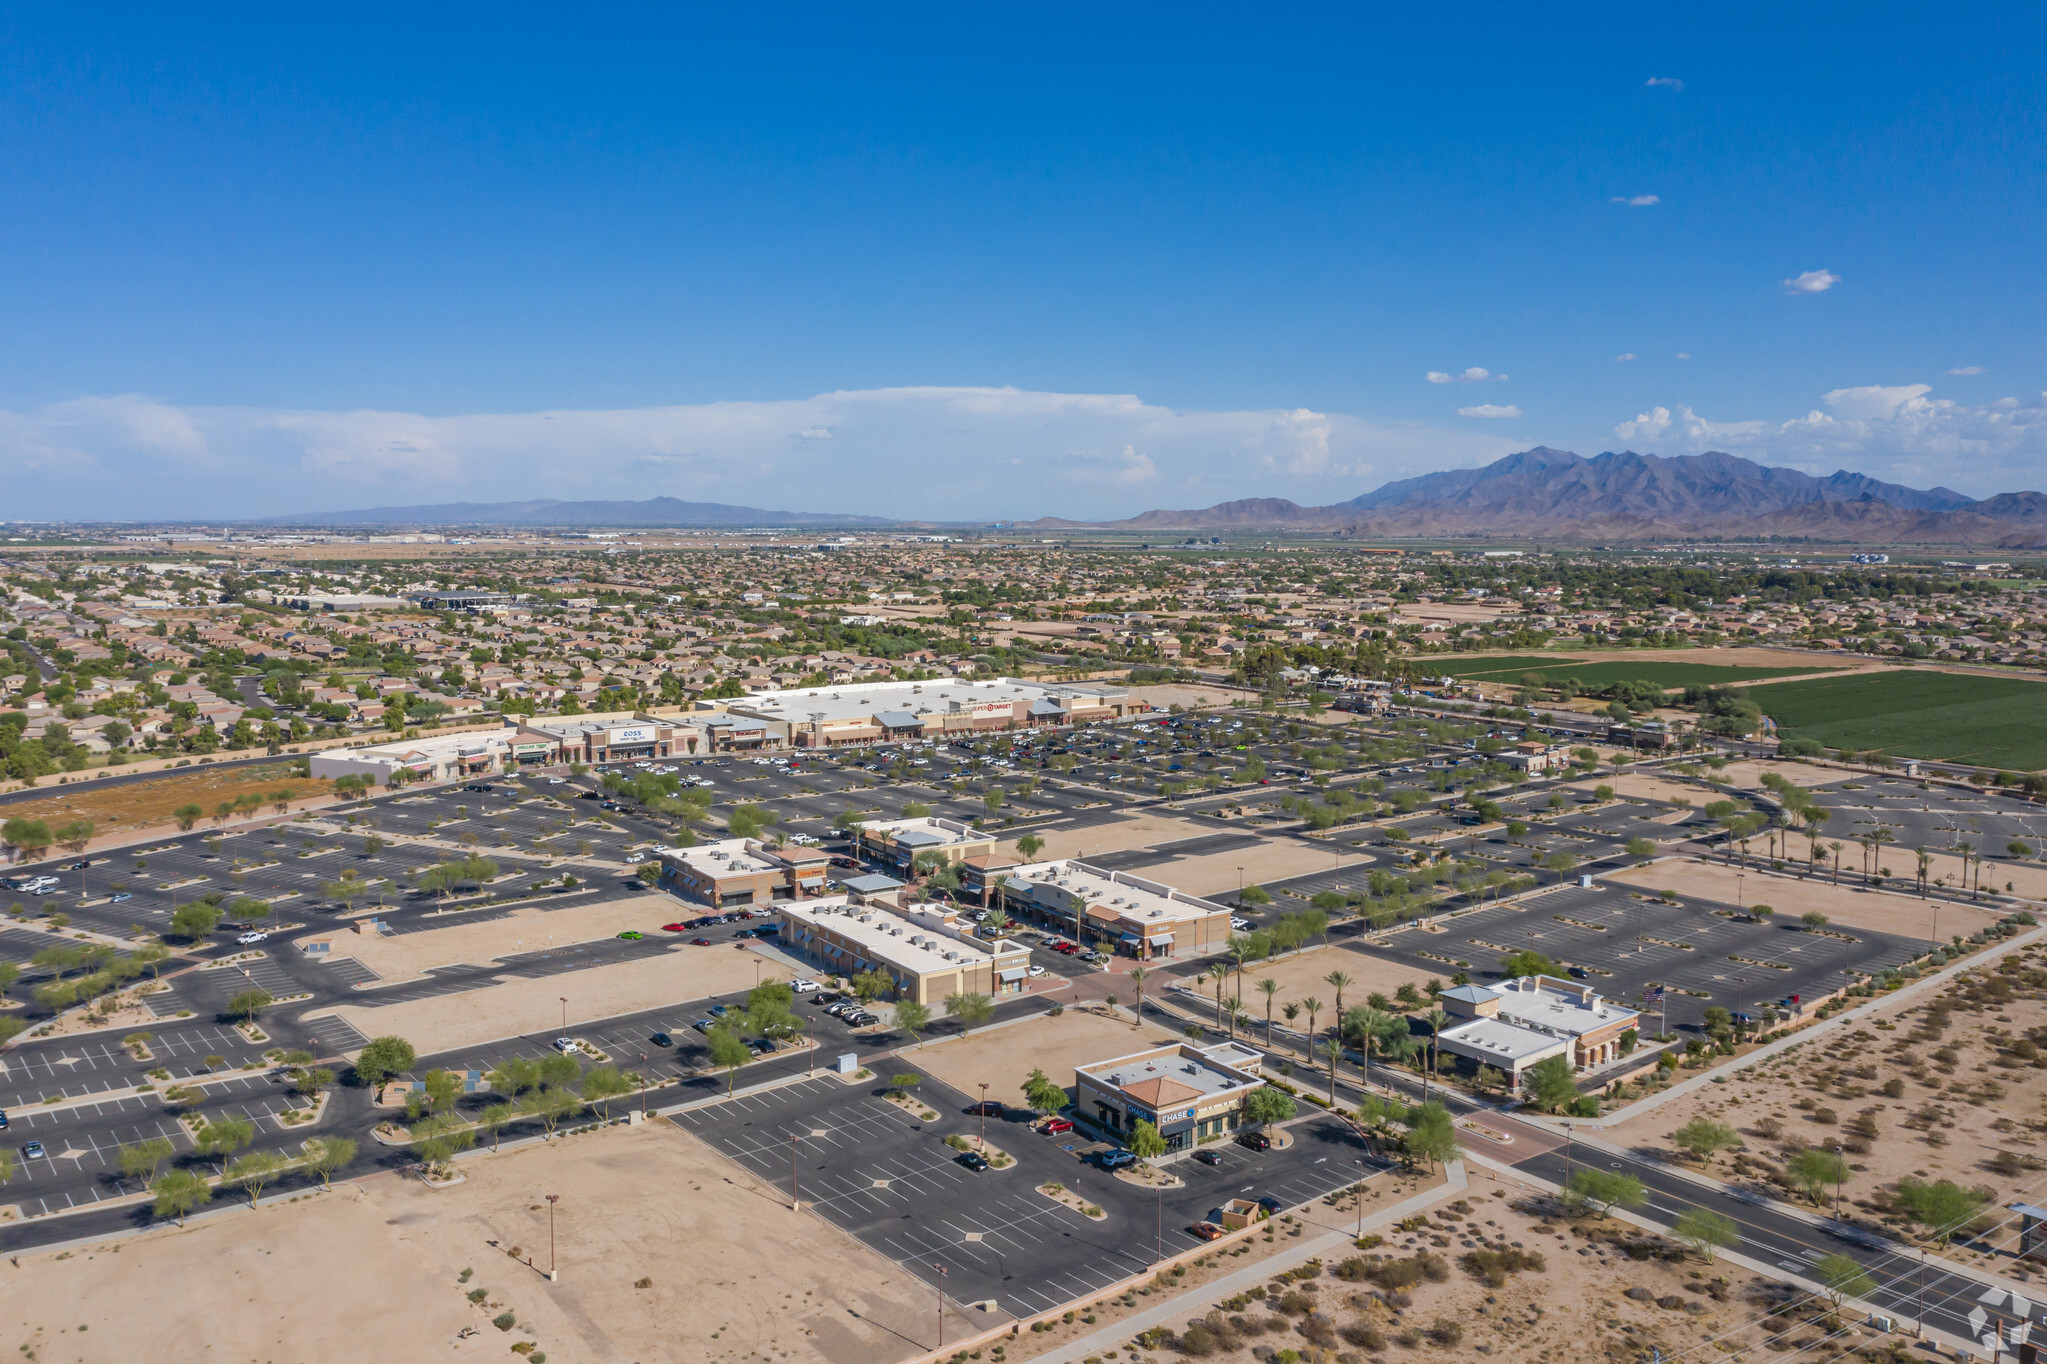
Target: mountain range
[1555,494]
[653,511]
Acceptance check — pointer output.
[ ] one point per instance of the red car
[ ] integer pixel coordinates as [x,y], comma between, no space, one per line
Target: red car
[1054,1126]
[1209,1231]
[675,928]
[699,942]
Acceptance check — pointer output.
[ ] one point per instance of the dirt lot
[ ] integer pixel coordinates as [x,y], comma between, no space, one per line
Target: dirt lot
[121,810]
[1004,1056]
[1141,831]
[1845,905]
[1966,1104]
[1303,975]
[531,1004]
[1574,1306]
[730,1273]
[1651,788]
[407,956]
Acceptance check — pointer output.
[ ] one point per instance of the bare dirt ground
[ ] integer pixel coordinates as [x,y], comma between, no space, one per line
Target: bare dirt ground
[1193,696]
[1581,1295]
[1218,874]
[129,806]
[408,956]
[667,1252]
[1845,905]
[1645,787]
[1303,976]
[533,1004]
[1141,831]
[1004,1056]
[1942,1087]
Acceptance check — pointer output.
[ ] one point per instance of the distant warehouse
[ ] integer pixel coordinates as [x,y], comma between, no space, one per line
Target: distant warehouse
[943,708]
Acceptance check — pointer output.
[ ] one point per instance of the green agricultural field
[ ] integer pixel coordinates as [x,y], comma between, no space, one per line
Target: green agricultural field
[1998,722]
[1669,674]
[1450,665]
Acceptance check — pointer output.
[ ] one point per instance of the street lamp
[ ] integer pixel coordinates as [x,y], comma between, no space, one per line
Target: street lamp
[941,1303]
[984,1117]
[552,1199]
[565,1014]
[1360,1163]
[644,1086]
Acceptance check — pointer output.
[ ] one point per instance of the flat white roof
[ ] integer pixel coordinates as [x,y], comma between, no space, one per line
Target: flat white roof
[726,857]
[1533,1005]
[1502,1043]
[937,696]
[1178,1063]
[1132,897]
[911,941]
[929,831]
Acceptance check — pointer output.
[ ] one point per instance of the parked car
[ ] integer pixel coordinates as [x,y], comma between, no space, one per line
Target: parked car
[989,1107]
[828,997]
[1037,970]
[699,942]
[1116,1160]
[662,1039]
[1209,1231]
[804,986]
[1053,1127]
[675,928]
[720,1010]
[565,1045]
[1256,1141]
[974,1161]
[34,1150]
[632,935]
[1208,1158]
[705,1024]
[248,938]
[118,897]
[761,1046]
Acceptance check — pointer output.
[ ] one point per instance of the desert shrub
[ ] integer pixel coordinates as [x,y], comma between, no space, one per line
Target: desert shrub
[1295,1304]
[1394,1274]
[1364,1335]
[1492,1267]
[1444,1331]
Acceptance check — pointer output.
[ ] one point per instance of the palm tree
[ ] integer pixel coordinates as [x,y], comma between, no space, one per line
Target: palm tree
[1137,977]
[1233,1007]
[1313,1006]
[1336,980]
[1835,848]
[1925,860]
[1291,1011]
[1436,1019]
[1877,841]
[1268,987]
[1218,973]
[1814,816]
[1967,850]
[1366,1026]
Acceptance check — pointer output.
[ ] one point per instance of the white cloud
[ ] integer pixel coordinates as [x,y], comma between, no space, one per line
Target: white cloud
[1637,201]
[1683,356]
[1667,82]
[942,453]
[1625,356]
[1489,410]
[1812,282]
[1966,370]
[1896,431]
[1474,375]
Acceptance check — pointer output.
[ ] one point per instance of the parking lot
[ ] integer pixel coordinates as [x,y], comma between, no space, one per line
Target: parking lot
[890,1180]
[1698,951]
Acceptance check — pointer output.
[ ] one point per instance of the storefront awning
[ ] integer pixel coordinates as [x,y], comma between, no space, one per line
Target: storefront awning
[1160,940]
[1013,974]
[1131,937]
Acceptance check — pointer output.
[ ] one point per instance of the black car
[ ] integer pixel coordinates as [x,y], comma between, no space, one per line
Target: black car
[1257,1141]
[826,997]
[589,795]
[662,1039]
[974,1161]
[1208,1158]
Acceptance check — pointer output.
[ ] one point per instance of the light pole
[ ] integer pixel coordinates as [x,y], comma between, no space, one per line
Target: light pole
[941,1303]
[1360,1163]
[643,1086]
[552,1199]
[565,1014]
[795,1199]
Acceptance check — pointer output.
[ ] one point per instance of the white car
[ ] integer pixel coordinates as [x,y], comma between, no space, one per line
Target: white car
[633,859]
[565,1045]
[554,781]
[803,986]
[1037,970]
[248,938]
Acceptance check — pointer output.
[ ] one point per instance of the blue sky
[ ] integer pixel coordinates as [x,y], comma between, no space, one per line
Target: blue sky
[979,263]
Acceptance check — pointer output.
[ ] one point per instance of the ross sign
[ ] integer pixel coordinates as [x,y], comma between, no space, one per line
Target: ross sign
[635,734]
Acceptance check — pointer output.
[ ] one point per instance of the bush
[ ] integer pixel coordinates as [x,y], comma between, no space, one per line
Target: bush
[504,1321]
[1445,1332]
[1492,1267]
[1364,1335]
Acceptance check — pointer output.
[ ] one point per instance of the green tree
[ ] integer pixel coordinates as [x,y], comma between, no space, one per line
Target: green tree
[141,1160]
[1812,1170]
[1029,846]
[1942,1207]
[551,1104]
[972,1010]
[1703,1139]
[1706,1232]
[1551,1083]
[194,921]
[441,1088]
[1267,1106]
[178,1192]
[329,1155]
[913,1018]
[728,1052]
[1430,1135]
[223,1136]
[1639,847]
[249,1003]
[1527,963]
[603,1084]
[494,1119]
[29,838]
[1041,1095]
[436,1140]
[383,1058]
[252,1171]
[1605,1190]
[1145,1142]
[1843,1278]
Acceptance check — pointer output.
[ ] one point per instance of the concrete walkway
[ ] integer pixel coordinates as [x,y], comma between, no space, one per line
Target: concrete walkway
[1197,1301]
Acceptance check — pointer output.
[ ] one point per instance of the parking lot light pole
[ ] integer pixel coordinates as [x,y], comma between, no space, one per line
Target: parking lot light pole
[1361,1198]
[552,1199]
[984,1117]
[644,1086]
[941,1304]
[565,1015]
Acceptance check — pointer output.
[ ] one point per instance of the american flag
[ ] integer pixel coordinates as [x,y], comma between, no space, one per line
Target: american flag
[1653,995]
